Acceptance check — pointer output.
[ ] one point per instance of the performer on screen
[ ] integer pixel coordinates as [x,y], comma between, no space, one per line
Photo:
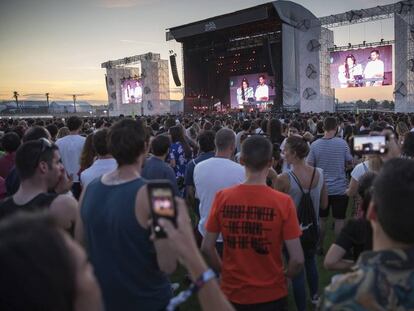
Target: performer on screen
[132,92]
[262,90]
[137,92]
[244,92]
[350,72]
[374,70]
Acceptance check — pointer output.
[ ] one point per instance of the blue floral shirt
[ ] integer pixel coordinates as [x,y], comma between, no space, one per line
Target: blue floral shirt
[177,153]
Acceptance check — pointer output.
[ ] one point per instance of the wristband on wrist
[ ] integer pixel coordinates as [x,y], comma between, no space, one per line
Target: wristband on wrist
[203,279]
[194,288]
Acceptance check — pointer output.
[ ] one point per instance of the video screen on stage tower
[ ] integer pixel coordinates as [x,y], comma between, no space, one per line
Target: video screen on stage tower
[367,67]
[250,89]
[131,90]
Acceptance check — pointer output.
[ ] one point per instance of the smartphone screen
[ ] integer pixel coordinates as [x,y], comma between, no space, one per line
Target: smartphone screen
[370,144]
[162,202]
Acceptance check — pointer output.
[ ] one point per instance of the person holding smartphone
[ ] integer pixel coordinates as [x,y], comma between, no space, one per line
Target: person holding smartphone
[180,234]
[130,268]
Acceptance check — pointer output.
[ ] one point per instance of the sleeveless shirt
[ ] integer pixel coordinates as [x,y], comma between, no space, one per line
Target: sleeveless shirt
[123,257]
[39,203]
[315,192]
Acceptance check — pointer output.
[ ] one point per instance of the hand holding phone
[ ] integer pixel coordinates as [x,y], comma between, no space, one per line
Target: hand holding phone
[162,203]
[370,144]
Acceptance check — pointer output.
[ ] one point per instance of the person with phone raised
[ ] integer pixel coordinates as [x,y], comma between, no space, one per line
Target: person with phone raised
[130,268]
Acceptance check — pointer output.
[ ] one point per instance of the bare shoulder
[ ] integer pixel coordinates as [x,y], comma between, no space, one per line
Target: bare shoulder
[65,199]
[142,207]
[283,183]
[65,209]
[283,178]
[65,203]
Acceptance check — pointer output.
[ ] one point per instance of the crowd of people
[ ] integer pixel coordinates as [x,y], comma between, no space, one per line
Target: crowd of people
[253,195]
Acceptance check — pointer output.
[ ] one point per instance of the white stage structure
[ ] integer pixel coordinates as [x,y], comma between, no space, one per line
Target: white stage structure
[306,45]
[305,81]
[403,14]
[305,59]
[151,71]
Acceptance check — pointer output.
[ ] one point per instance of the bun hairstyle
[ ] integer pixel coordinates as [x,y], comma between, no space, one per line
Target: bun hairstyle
[298,145]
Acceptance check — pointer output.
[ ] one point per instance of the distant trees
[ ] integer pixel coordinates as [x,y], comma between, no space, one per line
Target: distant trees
[371,104]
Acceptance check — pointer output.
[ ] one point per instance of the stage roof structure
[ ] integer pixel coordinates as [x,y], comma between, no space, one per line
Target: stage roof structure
[267,33]
[289,12]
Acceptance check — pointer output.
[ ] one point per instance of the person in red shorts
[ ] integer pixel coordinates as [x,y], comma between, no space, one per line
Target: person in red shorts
[255,221]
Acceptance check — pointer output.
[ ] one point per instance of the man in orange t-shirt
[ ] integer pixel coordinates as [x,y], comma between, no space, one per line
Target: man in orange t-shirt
[255,221]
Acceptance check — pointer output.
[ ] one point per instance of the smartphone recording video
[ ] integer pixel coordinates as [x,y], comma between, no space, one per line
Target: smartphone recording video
[370,144]
[162,202]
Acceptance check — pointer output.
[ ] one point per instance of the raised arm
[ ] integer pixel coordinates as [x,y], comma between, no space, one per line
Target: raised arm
[166,256]
[183,241]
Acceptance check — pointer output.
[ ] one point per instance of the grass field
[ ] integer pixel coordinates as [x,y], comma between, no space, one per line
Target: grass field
[324,278]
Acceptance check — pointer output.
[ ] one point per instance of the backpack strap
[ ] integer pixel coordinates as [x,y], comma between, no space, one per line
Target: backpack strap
[313,176]
[296,179]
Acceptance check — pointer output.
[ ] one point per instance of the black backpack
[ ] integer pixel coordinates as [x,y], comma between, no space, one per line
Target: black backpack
[307,217]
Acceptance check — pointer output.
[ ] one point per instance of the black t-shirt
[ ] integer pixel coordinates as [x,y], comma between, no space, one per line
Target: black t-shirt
[12,182]
[40,202]
[355,237]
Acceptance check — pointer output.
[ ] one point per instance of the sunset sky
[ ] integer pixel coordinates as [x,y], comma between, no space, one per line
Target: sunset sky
[57,46]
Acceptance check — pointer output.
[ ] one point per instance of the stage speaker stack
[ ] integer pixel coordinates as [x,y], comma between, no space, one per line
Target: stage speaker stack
[400,90]
[173,62]
[309,94]
[311,72]
[411,64]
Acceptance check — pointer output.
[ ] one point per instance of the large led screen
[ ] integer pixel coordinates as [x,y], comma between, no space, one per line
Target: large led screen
[251,89]
[131,90]
[367,67]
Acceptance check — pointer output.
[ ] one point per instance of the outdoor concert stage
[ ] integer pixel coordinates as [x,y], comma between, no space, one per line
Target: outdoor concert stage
[278,40]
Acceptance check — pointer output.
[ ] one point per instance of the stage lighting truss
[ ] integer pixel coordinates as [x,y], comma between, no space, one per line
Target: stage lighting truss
[362,45]
[132,60]
[367,15]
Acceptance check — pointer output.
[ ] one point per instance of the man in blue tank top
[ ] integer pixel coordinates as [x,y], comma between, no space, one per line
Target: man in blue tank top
[115,213]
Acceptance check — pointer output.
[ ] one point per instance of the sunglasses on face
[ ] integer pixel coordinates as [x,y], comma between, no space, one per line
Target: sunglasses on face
[44,145]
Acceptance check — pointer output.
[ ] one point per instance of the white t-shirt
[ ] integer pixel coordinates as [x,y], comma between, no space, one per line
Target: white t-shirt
[374,68]
[238,140]
[261,91]
[97,169]
[213,175]
[70,149]
[360,170]
[259,131]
